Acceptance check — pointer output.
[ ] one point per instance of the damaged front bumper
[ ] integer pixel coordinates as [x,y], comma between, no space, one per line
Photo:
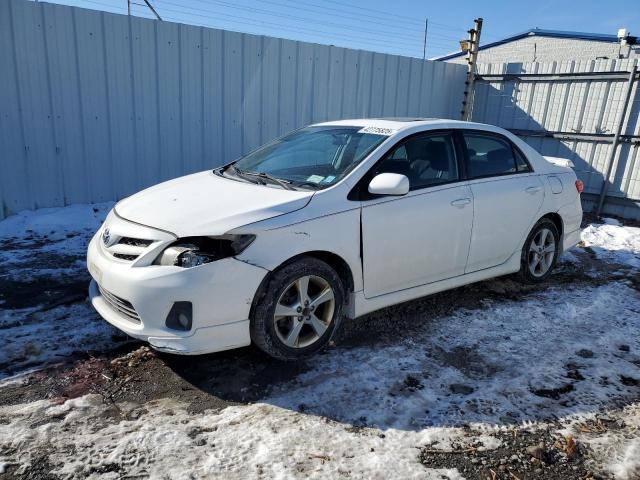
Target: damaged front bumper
[138,299]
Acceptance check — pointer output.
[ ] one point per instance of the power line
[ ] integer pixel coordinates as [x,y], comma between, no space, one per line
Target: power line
[323,10]
[243,20]
[396,46]
[390,14]
[344,36]
[296,8]
[293,17]
[434,40]
[454,28]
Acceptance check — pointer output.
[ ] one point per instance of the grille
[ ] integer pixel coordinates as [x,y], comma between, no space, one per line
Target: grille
[129,248]
[120,305]
[123,256]
[135,242]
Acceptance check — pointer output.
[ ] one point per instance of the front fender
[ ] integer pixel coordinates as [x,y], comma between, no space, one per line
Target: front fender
[338,233]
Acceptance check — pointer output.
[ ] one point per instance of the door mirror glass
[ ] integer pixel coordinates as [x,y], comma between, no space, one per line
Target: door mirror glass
[389,184]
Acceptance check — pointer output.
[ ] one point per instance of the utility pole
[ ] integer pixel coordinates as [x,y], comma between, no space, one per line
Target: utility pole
[424,46]
[472,46]
[129,7]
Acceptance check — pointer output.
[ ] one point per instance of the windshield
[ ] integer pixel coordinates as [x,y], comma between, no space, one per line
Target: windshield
[314,157]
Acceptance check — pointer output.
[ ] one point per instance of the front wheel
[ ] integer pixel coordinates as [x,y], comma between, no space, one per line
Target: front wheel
[540,252]
[299,310]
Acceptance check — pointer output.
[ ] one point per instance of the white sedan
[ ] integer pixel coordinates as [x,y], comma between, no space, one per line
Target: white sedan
[338,218]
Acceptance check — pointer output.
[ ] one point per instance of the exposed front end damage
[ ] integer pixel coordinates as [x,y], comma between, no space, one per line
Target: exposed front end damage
[201,309]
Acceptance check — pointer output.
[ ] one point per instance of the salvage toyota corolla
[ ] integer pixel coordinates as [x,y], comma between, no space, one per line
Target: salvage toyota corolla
[339,218]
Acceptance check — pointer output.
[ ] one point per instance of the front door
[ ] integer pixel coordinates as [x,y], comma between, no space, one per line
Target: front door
[424,236]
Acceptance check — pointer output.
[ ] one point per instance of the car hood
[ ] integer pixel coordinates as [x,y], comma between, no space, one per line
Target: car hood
[207,204]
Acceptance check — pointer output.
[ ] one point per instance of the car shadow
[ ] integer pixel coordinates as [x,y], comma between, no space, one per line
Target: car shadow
[238,376]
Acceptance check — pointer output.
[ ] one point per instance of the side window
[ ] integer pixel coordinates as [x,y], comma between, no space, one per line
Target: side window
[426,160]
[489,155]
[521,163]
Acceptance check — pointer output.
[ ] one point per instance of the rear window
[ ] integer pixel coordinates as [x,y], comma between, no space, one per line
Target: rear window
[489,155]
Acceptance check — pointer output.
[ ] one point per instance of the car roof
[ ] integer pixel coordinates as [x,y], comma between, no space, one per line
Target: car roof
[397,124]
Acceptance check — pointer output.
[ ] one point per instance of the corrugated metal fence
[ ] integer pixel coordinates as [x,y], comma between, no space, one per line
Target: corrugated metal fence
[94,106]
[580,113]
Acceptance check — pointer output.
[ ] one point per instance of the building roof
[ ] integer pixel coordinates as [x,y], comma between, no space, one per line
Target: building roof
[540,32]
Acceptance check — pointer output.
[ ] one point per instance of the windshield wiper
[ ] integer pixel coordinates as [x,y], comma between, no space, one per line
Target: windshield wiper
[314,186]
[242,174]
[283,183]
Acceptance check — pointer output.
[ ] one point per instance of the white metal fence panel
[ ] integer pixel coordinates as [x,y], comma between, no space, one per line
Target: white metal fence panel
[573,106]
[94,106]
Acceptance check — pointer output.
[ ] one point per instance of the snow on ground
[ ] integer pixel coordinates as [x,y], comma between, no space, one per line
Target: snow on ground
[55,223]
[569,352]
[507,363]
[240,442]
[43,281]
[48,242]
[617,449]
[38,337]
[614,243]
[48,232]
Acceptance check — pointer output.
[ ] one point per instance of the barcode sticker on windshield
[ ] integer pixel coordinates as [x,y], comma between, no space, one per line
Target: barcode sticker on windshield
[377,130]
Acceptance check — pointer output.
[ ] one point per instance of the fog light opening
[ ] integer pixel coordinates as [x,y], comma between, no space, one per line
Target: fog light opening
[184,321]
[180,316]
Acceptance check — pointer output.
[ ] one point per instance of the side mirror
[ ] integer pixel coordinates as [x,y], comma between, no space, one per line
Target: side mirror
[389,184]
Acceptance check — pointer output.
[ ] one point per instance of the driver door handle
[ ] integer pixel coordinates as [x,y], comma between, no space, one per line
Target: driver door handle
[533,190]
[461,202]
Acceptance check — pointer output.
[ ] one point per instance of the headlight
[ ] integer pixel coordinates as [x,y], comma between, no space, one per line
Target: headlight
[193,251]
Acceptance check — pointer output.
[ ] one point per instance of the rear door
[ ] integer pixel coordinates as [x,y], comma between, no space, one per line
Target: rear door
[507,196]
[421,237]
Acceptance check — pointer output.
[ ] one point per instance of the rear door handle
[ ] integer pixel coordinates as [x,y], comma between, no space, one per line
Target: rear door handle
[461,202]
[533,190]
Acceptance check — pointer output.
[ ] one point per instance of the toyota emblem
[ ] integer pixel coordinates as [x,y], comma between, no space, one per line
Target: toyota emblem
[106,236]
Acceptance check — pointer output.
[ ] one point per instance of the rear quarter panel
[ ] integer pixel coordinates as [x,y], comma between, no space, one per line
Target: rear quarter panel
[563,198]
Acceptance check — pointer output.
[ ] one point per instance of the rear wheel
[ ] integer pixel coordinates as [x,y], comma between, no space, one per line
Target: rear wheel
[299,310]
[540,252]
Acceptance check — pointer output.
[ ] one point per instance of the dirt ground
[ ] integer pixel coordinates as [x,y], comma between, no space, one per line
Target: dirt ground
[123,371]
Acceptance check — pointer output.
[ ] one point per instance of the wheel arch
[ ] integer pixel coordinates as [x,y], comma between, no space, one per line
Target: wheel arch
[334,260]
[557,221]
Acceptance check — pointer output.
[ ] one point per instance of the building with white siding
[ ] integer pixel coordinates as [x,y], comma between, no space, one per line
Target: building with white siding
[539,45]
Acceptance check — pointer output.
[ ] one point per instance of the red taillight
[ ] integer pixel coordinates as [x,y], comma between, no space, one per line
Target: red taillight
[579,186]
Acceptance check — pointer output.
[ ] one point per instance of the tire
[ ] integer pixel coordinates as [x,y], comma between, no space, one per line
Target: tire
[286,336]
[537,260]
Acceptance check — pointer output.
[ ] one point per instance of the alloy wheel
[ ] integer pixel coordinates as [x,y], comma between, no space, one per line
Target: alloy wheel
[304,311]
[541,252]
